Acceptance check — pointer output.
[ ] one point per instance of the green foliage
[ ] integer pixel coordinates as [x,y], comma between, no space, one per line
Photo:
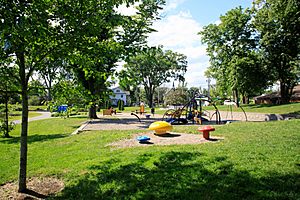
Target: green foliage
[277,23]
[107,104]
[178,96]
[6,127]
[120,104]
[236,64]
[153,67]
[69,92]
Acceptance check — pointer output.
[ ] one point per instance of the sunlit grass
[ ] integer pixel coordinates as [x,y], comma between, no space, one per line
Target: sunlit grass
[17,115]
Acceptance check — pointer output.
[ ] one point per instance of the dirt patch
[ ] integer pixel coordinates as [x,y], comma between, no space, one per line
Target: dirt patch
[171,138]
[38,188]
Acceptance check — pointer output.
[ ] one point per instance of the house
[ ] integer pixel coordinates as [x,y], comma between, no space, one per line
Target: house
[274,97]
[119,94]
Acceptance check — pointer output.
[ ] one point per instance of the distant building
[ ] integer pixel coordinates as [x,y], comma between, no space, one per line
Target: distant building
[274,97]
[119,94]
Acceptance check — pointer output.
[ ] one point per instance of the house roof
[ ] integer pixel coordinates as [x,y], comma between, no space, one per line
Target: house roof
[121,91]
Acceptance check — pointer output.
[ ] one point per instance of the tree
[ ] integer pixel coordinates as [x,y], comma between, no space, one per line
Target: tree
[31,31]
[69,92]
[153,67]
[278,22]
[234,57]
[159,94]
[178,96]
[116,38]
[53,67]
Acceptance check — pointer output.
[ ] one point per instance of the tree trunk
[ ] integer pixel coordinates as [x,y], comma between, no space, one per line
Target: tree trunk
[92,112]
[284,93]
[236,97]
[24,125]
[23,147]
[6,132]
[245,99]
[149,94]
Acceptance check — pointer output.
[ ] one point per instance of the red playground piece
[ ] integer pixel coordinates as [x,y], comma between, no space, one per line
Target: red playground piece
[205,130]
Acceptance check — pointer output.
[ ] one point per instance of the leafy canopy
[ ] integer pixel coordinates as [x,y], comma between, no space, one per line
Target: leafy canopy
[153,67]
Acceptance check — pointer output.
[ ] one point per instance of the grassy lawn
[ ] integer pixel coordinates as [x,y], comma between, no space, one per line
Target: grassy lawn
[18,115]
[276,109]
[254,161]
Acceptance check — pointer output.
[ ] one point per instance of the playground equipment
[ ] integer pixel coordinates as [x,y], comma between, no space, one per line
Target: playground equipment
[229,105]
[142,139]
[192,111]
[160,127]
[205,130]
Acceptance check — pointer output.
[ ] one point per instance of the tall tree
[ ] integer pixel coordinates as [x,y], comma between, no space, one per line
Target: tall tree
[30,31]
[51,72]
[153,67]
[26,35]
[234,57]
[178,96]
[278,25]
[116,38]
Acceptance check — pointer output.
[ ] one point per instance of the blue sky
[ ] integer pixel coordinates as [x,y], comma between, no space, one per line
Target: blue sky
[178,29]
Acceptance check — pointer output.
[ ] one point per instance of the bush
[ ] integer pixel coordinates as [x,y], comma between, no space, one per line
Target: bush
[11,126]
[34,101]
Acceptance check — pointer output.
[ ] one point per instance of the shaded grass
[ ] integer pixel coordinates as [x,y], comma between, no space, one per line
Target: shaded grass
[254,161]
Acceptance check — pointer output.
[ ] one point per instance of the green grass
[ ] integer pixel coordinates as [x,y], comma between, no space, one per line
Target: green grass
[262,108]
[37,108]
[254,161]
[18,115]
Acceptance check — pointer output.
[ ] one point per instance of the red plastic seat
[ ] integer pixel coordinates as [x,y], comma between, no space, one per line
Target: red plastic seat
[205,130]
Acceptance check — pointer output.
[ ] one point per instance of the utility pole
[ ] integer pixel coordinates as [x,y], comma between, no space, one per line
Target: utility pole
[158,96]
[208,87]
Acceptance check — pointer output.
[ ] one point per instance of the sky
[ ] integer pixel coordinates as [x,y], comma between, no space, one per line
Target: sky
[178,30]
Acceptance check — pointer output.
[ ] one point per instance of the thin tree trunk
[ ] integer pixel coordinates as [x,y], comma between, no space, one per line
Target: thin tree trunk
[236,97]
[23,147]
[6,133]
[24,125]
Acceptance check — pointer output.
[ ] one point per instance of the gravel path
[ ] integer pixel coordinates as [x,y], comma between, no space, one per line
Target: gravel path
[121,121]
[240,116]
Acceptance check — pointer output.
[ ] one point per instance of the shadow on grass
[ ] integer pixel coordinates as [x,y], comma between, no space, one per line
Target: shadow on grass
[34,138]
[179,175]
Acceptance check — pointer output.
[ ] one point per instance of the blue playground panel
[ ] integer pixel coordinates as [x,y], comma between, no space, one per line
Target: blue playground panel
[142,138]
[62,108]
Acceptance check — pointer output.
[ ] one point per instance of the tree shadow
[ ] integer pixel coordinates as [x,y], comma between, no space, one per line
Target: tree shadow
[179,175]
[34,138]
[34,194]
